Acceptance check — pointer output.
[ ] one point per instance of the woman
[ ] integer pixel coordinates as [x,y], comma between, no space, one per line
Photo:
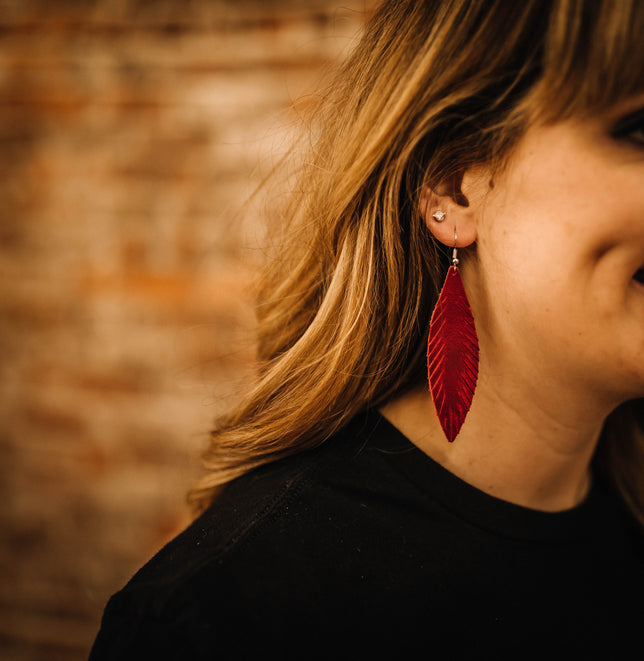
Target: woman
[501,141]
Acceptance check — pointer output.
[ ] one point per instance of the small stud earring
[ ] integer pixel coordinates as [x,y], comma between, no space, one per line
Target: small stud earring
[439,216]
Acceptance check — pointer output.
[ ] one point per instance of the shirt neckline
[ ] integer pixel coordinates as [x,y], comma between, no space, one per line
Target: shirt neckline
[475,506]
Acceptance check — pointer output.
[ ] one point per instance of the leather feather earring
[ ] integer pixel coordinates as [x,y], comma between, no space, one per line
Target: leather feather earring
[452,351]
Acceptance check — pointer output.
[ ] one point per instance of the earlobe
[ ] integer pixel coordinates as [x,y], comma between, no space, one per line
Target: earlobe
[446,214]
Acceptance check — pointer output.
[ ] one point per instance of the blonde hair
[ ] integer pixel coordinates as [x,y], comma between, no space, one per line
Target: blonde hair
[432,88]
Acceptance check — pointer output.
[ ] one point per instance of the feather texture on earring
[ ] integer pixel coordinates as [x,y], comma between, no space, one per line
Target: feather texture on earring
[452,355]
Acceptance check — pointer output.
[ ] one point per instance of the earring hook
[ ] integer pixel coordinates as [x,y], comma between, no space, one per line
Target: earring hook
[454,257]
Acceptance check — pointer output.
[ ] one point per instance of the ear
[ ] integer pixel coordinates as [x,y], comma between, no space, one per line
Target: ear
[460,215]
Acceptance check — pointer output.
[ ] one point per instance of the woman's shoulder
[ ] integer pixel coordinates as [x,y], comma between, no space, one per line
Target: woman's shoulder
[281,538]
[282,498]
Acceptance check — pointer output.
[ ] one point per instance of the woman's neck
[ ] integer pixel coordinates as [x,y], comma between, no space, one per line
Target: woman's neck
[528,450]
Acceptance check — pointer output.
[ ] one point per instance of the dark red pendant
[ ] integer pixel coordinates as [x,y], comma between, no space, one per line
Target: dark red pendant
[452,355]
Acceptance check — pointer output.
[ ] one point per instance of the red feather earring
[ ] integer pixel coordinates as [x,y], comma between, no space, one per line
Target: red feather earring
[452,351]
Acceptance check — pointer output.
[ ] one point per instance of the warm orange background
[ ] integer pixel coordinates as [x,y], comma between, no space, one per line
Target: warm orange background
[131,133]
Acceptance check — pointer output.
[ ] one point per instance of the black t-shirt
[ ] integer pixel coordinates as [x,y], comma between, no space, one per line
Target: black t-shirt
[367,548]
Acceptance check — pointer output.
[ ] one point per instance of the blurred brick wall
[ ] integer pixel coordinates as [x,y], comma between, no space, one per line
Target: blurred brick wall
[131,132]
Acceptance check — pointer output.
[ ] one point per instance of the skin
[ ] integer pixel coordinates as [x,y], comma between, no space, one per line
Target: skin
[558,237]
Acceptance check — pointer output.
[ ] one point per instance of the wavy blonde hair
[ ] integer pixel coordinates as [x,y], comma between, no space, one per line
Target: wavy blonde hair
[432,88]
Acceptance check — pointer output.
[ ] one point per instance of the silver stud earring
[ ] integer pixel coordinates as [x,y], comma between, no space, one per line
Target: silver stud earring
[438,216]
